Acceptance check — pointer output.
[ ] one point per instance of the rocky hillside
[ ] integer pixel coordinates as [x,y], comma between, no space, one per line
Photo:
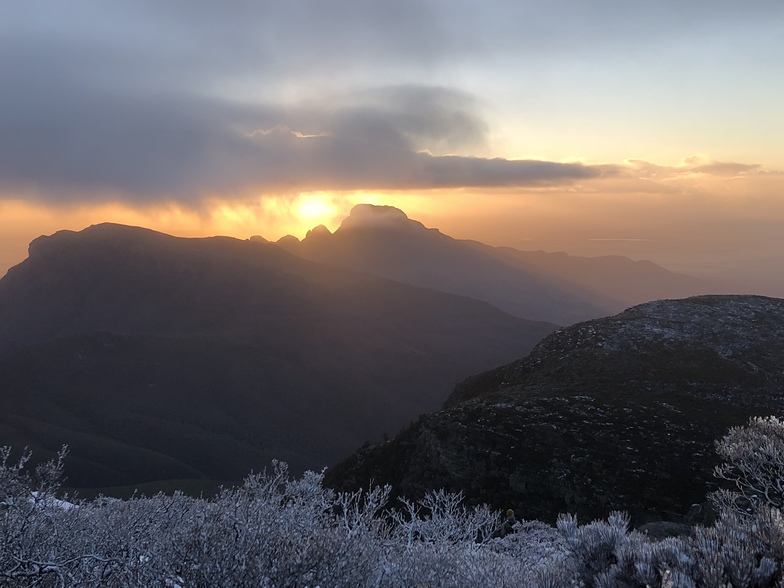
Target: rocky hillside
[615,413]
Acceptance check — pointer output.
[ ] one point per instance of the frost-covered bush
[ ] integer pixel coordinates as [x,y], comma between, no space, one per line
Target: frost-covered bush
[753,461]
[29,517]
[46,541]
[606,554]
[272,531]
[439,542]
[738,552]
[441,517]
[276,531]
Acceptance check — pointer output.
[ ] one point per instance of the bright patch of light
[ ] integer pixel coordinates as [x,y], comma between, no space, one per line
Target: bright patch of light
[314,207]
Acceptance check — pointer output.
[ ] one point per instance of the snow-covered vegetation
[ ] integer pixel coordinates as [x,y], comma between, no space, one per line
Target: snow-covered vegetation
[753,461]
[279,531]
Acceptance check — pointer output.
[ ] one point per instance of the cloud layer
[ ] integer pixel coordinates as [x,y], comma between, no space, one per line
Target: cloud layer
[142,100]
[65,136]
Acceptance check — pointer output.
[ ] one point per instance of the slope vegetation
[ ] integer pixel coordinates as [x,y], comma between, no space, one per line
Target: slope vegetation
[614,413]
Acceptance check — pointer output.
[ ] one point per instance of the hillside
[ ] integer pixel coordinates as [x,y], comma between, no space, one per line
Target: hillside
[157,357]
[615,413]
[555,287]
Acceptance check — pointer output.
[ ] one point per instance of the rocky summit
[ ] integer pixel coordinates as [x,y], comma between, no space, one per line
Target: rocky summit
[618,413]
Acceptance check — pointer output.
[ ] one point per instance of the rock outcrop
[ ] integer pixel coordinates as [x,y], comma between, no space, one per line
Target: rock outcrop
[615,413]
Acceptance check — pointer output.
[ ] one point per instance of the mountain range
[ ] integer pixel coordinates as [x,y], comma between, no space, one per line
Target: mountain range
[161,358]
[554,287]
[157,358]
[617,413]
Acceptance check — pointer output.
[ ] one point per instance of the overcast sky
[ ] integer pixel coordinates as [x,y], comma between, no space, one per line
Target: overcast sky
[240,114]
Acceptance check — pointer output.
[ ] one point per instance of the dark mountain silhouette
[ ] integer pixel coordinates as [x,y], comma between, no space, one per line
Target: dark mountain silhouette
[555,287]
[615,413]
[157,357]
[619,281]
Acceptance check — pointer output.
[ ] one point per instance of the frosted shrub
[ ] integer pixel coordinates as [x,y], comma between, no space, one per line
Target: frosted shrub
[593,546]
[272,531]
[741,550]
[754,465]
[533,542]
[441,517]
[276,531]
[538,549]
[440,542]
[738,552]
[29,530]
[451,565]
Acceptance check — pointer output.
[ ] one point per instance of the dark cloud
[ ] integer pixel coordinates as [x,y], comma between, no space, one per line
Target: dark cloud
[98,144]
[200,43]
[439,120]
[128,98]
[455,171]
[296,37]
[61,131]
[67,132]
[358,160]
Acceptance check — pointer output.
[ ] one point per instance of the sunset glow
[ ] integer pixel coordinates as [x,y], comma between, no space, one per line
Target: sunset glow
[528,126]
[521,262]
[315,209]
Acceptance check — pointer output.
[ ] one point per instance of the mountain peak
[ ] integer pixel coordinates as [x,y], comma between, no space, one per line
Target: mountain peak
[371,216]
[319,231]
[368,211]
[287,240]
[102,232]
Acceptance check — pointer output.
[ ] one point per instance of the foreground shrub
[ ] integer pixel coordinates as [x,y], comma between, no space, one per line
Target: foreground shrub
[276,531]
[738,552]
[753,462]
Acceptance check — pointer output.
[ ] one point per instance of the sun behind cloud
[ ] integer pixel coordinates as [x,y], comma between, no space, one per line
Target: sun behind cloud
[317,208]
[274,216]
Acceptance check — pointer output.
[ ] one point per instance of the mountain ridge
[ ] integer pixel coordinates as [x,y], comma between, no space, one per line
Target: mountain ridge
[618,413]
[126,336]
[554,287]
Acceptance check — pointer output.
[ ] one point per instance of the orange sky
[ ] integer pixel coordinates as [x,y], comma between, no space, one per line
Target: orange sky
[698,211]
[652,130]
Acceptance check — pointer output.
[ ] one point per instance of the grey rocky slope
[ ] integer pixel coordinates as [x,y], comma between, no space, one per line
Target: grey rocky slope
[614,413]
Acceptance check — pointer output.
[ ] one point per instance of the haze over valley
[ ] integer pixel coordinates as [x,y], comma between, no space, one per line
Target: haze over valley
[649,132]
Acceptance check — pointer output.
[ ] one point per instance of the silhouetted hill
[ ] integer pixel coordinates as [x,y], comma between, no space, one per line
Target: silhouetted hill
[615,413]
[157,357]
[555,287]
[619,281]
